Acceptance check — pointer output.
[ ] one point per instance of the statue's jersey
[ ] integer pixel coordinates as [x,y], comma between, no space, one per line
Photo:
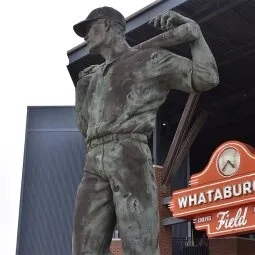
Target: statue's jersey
[124,95]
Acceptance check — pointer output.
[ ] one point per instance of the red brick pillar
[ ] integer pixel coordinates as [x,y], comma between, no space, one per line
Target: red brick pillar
[165,235]
[116,247]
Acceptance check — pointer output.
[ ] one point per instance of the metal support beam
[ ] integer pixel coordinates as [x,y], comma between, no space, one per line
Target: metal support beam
[179,135]
[190,138]
[155,142]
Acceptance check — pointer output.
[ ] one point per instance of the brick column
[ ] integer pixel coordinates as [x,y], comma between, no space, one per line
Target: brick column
[116,248]
[165,235]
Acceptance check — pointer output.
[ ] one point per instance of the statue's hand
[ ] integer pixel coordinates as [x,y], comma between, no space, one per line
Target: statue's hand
[169,20]
[87,71]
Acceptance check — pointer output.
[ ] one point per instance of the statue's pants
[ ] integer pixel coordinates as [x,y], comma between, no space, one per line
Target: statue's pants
[118,185]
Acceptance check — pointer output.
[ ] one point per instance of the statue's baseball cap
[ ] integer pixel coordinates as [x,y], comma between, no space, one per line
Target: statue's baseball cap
[100,13]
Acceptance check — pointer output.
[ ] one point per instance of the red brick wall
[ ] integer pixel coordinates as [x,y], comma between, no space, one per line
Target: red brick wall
[165,243]
[220,246]
[245,246]
[231,246]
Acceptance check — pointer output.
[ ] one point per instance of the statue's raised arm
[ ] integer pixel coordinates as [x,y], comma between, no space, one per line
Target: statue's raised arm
[181,30]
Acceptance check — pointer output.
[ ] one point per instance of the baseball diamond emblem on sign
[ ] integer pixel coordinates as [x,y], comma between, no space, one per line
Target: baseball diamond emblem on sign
[221,198]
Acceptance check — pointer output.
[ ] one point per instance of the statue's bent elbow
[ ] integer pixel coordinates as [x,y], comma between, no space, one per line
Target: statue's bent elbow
[206,81]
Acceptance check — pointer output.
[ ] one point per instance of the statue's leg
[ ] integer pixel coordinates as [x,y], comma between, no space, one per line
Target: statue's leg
[94,217]
[134,189]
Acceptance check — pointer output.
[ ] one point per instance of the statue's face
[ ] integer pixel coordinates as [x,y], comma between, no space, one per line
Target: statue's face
[95,36]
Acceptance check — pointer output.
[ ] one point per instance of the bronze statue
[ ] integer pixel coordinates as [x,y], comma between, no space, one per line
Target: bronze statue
[116,106]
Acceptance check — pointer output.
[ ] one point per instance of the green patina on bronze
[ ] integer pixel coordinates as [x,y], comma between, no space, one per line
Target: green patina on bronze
[116,106]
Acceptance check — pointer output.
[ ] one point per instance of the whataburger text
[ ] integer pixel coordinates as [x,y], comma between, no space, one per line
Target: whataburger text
[213,195]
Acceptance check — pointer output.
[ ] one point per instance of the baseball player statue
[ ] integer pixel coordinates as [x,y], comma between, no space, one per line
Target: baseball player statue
[116,106]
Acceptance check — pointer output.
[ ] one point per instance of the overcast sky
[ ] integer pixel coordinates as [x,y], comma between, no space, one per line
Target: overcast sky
[35,36]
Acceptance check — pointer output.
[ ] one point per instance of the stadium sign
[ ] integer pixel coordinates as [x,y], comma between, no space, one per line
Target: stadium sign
[221,198]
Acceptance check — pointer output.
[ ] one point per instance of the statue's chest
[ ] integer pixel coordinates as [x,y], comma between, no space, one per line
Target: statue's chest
[110,92]
[112,86]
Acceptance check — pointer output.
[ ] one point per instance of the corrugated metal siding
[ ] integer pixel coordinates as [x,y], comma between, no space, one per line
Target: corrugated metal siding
[53,167]
[51,118]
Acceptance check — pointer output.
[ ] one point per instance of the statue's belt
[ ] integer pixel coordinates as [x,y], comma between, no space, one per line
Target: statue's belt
[116,138]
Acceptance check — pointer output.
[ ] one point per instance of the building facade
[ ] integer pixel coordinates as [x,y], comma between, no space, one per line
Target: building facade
[53,162]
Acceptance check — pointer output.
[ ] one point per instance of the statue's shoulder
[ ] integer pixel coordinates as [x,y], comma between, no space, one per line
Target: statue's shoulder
[154,56]
[147,50]
[145,53]
[152,51]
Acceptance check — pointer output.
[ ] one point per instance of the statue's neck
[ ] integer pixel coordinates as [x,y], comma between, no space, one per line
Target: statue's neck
[114,49]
